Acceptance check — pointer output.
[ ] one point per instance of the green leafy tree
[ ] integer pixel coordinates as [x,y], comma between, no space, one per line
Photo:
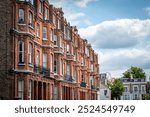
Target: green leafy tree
[134,72]
[147,96]
[117,88]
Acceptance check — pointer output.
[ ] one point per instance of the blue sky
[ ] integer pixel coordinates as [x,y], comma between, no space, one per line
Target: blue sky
[119,31]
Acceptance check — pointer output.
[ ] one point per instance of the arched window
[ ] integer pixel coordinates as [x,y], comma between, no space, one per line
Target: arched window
[21,51]
[30,53]
[21,16]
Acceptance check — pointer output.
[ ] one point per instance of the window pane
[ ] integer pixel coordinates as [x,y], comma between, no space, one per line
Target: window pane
[40,6]
[44,60]
[21,51]
[55,39]
[29,89]
[37,58]
[30,18]
[21,16]
[30,53]
[38,30]
[51,35]
[44,33]
[21,89]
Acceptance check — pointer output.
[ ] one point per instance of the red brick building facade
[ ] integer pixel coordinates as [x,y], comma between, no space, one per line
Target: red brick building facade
[42,56]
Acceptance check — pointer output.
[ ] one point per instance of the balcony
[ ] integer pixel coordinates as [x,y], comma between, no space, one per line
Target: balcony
[41,70]
[68,78]
[83,84]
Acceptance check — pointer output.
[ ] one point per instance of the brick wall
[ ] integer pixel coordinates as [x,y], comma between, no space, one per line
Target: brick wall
[5,45]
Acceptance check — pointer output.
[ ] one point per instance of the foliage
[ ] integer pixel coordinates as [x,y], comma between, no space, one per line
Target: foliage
[116,87]
[134,72]
[147,96]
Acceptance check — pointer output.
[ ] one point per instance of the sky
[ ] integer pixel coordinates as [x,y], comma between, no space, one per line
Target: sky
[118,30]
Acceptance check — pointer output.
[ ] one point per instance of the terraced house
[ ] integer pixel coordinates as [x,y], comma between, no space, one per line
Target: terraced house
[42,56]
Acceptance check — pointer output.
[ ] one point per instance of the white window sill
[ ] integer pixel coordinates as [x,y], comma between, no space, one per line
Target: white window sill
[21,64]
[30,26]
[30,65]
[21,24]
[56,46]
[45,39]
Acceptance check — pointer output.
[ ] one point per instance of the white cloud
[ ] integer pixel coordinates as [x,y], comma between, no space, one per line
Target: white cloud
[148,10]
[57,3]
[83,3]
[71,16]
[120,44]
[120,33]
[117,61]
[78,3]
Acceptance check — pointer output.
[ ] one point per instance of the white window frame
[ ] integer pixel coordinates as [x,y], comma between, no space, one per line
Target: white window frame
[61,67]
[30,90]
[68,48]
[30,48]
[38,30]
[55,40]
[46,14]
[30,18]
[82,61]
[21,52]
[37,58]
[68,69]
[21,16]
[21,89]
[59,24]
[44,33]
[45,60]
[92,67]
[60,41]
[40,6]
[51,35]
[54,19]
[55,65]
[51,62]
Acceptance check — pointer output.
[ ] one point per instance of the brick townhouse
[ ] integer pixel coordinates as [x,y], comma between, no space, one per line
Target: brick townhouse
[42,57]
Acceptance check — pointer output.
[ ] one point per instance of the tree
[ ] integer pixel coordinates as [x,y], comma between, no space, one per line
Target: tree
[134,72]
[147,96]
[117,88]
